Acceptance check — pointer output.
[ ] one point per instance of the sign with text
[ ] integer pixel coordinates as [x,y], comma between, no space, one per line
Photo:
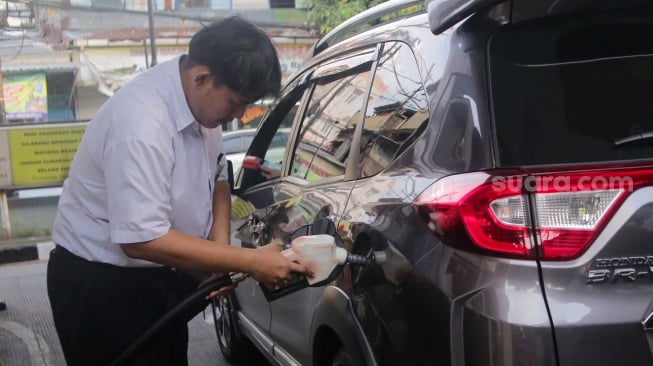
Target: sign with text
[5,162]
[26,97]
[39,155]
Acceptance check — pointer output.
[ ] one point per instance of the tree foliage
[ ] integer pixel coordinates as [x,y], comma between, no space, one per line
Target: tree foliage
[327,14]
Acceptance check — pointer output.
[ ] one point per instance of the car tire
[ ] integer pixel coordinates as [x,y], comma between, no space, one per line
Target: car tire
[343,358]
[234,346]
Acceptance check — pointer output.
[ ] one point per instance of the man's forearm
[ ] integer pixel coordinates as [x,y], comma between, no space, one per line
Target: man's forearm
[221,227]
[178,249]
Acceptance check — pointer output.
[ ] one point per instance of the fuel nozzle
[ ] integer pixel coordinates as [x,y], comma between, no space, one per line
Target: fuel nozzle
[320,253]
[358,259]
[365,260]
[325,259]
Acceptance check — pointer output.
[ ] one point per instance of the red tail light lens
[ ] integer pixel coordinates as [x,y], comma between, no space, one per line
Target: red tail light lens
[506,213]
[462,210]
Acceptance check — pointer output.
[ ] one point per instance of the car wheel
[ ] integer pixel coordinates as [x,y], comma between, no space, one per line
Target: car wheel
[234,346]
[343,358]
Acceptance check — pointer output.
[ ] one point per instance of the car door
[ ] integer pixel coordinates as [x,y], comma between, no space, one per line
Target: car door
[314,182]
[394,308]
[252,200]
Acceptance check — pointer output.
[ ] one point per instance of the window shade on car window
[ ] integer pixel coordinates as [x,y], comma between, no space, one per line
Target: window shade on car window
[339,68]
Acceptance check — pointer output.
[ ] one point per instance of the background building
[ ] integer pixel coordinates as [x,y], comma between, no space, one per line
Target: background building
[60,60]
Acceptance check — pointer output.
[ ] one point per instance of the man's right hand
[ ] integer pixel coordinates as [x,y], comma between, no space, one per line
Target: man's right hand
[273,268]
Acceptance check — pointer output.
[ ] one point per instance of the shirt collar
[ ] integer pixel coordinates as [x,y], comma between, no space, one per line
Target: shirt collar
[183,115]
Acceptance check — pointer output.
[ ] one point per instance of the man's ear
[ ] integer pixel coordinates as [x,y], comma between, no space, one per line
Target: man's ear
[201,76]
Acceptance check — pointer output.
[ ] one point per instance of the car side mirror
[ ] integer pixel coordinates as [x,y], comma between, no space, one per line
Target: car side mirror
[252,162]
[250,172]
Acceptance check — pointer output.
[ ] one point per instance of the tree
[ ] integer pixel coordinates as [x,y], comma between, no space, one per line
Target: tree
[328,14]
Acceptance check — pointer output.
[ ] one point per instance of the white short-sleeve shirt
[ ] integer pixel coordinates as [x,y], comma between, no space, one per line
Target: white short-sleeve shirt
[144,166]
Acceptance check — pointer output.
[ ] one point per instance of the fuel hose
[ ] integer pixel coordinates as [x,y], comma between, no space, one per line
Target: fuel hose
[185,311]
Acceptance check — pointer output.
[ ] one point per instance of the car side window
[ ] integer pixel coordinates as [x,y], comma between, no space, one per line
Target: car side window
[396,108]
[277,148]
[328,125]
[273,134]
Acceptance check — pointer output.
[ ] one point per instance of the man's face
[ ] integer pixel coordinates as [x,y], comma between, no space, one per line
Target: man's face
[214,106]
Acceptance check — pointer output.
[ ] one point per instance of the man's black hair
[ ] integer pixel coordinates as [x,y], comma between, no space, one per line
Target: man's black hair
[239,55]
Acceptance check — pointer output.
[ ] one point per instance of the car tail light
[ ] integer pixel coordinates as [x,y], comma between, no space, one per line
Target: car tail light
[514,214]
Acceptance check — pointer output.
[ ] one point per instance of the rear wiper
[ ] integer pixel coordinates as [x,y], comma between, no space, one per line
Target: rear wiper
[637,139]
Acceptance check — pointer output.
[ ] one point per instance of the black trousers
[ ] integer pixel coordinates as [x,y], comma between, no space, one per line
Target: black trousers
[100,309]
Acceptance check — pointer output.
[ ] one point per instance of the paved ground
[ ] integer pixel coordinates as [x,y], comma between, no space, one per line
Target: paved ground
[27,334]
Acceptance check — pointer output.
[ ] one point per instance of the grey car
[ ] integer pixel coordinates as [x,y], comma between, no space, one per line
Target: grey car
[499,154]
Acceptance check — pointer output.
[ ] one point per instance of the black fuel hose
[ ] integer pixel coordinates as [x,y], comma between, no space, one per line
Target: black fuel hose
[185,310]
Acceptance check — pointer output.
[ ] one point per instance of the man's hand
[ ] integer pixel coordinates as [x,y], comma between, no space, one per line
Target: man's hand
[274,269]
[222,291]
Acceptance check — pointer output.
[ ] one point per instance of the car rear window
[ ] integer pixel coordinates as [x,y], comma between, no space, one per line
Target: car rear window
[573,92]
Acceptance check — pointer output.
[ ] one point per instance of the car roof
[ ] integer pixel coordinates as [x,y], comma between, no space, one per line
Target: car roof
[444,14]
[529,9]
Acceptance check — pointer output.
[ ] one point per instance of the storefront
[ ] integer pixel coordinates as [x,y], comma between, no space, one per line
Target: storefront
[43,93]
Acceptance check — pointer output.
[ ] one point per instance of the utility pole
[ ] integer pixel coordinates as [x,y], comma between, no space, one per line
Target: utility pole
[147,62]
[150,22]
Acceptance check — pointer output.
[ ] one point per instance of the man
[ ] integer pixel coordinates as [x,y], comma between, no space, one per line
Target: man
[146,189]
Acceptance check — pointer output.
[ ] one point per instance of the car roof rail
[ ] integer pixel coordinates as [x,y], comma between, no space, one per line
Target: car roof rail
[380,14]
